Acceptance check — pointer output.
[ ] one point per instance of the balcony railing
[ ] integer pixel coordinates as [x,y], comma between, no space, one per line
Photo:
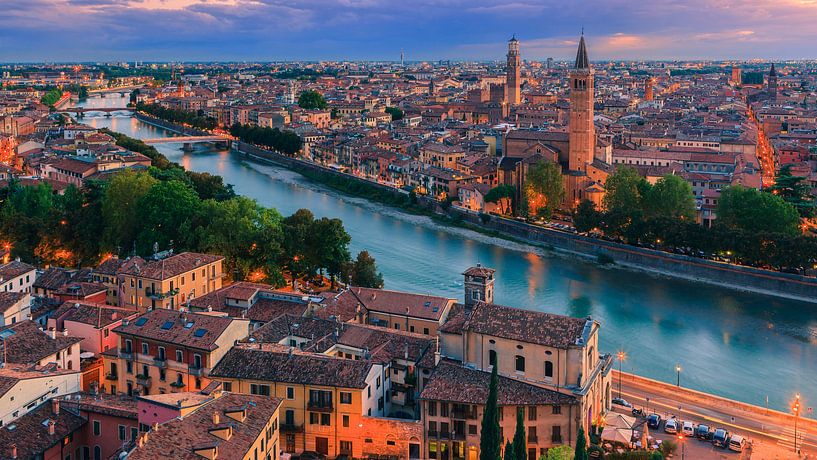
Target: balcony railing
[160,362]
[319,406]
[143,381]
[463,414]
[111,376]
[195,371]
[291,427]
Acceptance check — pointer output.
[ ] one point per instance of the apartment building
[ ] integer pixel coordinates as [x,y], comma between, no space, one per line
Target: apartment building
[23,387]
[14,307]
[16,276]
[165,351]
[26,342]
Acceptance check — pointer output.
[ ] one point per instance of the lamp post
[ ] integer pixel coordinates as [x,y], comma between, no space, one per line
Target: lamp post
[796,409]
[621,357]
[678,373]
[683,446]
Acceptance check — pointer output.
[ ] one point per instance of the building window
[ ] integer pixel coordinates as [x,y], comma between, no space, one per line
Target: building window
[122,432]
[97,428]
[432,409]
[345,397]
[532,413]
[520,363]
[557,410]
[556,434]
[492,357]
[179,356]
[262,390]
[314,418]
[346,447]
[443,409]
[291,393]
[326,419]
[346,421]
[227,386]
[144,348]
[549,369]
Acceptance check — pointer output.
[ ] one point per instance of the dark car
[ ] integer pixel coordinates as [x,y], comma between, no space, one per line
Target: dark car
[654,421]
[621,402]
[720,438]
[703,432]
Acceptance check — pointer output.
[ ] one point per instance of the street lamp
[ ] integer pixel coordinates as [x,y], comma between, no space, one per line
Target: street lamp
[683,450]
[796,409]
[621,357]
[678,372]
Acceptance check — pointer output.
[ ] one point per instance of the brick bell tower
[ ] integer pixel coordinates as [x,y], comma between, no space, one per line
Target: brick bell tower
[582,135]
[512,79]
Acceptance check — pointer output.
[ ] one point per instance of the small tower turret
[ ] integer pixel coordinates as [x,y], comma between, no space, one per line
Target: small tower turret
[479,285]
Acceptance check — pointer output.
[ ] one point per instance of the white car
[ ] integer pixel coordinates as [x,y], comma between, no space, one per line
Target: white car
[671,426]
[737,443]
[688,429]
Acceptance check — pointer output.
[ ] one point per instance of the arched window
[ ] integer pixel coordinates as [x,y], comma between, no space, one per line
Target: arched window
[549,369]
[520,363]
[97,453]
[492,357]
[590,355]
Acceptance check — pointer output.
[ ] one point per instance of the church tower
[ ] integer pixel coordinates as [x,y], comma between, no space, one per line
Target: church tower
[772,83]
[479,285]
[582,136]
[512,94]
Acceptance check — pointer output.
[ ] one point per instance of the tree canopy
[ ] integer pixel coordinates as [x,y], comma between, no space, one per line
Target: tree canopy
[286,142]
[794,190]
[311,99]
[504,196]
[544,188]
[364,272]
[751,210]
[395,112]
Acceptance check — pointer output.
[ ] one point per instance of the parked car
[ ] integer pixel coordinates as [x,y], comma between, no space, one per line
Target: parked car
[654,421]
[621,402]
[688,429]
[720,438]
[671,426]
[737,443]
[703,432]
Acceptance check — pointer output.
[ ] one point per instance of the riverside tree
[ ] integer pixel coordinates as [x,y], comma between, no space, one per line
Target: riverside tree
[363,272]
[489,440]
[544,188]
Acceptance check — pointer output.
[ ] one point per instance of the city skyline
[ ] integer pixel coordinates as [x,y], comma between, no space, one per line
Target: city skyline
[239,30]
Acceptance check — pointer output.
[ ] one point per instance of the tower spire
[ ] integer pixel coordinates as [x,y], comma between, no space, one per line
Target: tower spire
[582,62]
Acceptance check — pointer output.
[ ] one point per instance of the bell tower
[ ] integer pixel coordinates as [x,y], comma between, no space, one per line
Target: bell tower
[512,93]
[479,285]
[582,136]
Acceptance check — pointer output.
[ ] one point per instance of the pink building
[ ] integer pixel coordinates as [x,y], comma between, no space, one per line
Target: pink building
[94,322]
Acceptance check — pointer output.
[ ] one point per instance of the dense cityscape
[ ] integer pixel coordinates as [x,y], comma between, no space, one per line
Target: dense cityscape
[519,259]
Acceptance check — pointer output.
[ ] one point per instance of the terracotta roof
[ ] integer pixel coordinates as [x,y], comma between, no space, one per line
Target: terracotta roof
[110,266]
[52,278]
[262,307]
[30,432]
[179,438]
[9,299]
[13,373]
[25,343]
[400,303]
[274,364]
[170,266]
[480,271]
[102,403]
[187,329]
[453,382]
[94,314]
[81,289]
[524,325]
[14,269]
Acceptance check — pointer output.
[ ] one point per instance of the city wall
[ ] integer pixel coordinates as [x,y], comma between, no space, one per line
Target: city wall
[675,265]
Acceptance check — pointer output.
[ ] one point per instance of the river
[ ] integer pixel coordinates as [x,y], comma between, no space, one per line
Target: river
[738,345]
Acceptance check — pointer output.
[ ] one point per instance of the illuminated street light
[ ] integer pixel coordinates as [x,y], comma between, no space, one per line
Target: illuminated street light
[678,372]
[796,409]
[621,357]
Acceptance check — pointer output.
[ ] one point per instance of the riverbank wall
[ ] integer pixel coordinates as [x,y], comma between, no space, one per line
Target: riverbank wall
[183,130]
[731,276]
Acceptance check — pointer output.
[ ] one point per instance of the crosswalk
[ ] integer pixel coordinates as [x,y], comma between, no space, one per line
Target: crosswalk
[788,439]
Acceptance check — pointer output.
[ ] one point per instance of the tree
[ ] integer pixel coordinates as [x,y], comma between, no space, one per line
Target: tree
[510,454]
[329,242]
[504,196]
[119,208]
[671,196]
[520,445]
[581,446]
[311,100]
[586,217]
[544,188]
[754,211]
[656,455]
[489,441]
[795,191]
[166,213]
[395,112]
[623,192]
[297,228]
[364,272]
[558,453]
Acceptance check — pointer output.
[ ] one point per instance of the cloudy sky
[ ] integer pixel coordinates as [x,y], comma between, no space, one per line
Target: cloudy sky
[191,30]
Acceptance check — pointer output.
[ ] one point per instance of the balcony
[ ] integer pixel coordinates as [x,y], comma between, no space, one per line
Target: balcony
[126,354]
[291,427]
[195,371]
[319,406]
[463,414]
[110,376]
[160,362]
[143,381]
[176,387]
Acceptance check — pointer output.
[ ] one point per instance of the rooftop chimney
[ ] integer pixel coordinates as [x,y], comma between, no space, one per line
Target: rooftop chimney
[51,427]
[14,451]
[216,418]
[55,406]
[155,426]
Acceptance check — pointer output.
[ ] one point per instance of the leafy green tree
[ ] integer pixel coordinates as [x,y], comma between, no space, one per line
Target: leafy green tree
[580,452]
[297,228]
[656,455]
[119,208]
[166,212]
[311,100]
[795,191]
[623,192]
[364,271]
[558,453]
[489,440]
[586,217]
[504,196]
[330,244]
[50,98]
[396,113]
[754,211]
[520,444]
[509,453]
[671,196]
[544,188]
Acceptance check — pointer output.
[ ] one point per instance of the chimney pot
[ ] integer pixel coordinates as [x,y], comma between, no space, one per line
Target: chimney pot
[55,406]
[216,418]
[155,426]
[51,427]
[14,451]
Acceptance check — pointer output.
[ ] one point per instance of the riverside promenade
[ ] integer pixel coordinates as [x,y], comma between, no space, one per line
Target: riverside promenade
[771,432]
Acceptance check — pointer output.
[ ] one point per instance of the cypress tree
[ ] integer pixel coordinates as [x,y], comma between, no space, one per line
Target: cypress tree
[509,454]
[581,446]
[519,442]
[489,442]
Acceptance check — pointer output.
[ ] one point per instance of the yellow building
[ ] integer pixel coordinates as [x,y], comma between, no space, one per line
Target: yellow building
[164,351]
[403,311]
[169,282]
[441,155]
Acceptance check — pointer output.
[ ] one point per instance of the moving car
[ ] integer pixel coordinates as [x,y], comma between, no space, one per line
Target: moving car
[720,438]
[654,421]
[671,426]
[737,443]
[688,429]
[703,432]
[621,402]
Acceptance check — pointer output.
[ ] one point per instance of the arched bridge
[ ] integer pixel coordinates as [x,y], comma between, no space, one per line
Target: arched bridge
[81,111]
[186,139]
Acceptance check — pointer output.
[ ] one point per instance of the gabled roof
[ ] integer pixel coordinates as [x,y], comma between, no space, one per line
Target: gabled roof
[25,343]
[186,329]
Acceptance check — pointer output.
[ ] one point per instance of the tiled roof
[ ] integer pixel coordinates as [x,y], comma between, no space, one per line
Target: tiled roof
[453,382]
[187,329]
[94,314]
[81,289]
[170,266]
[13,373]
[524,325]
[400,303]
[52,278]
[14,269]
[25,343]
[479,271]
[30,432]
[262,310]
[9,299]
[102,403]
[274,364]
[110,266]
[177,439]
